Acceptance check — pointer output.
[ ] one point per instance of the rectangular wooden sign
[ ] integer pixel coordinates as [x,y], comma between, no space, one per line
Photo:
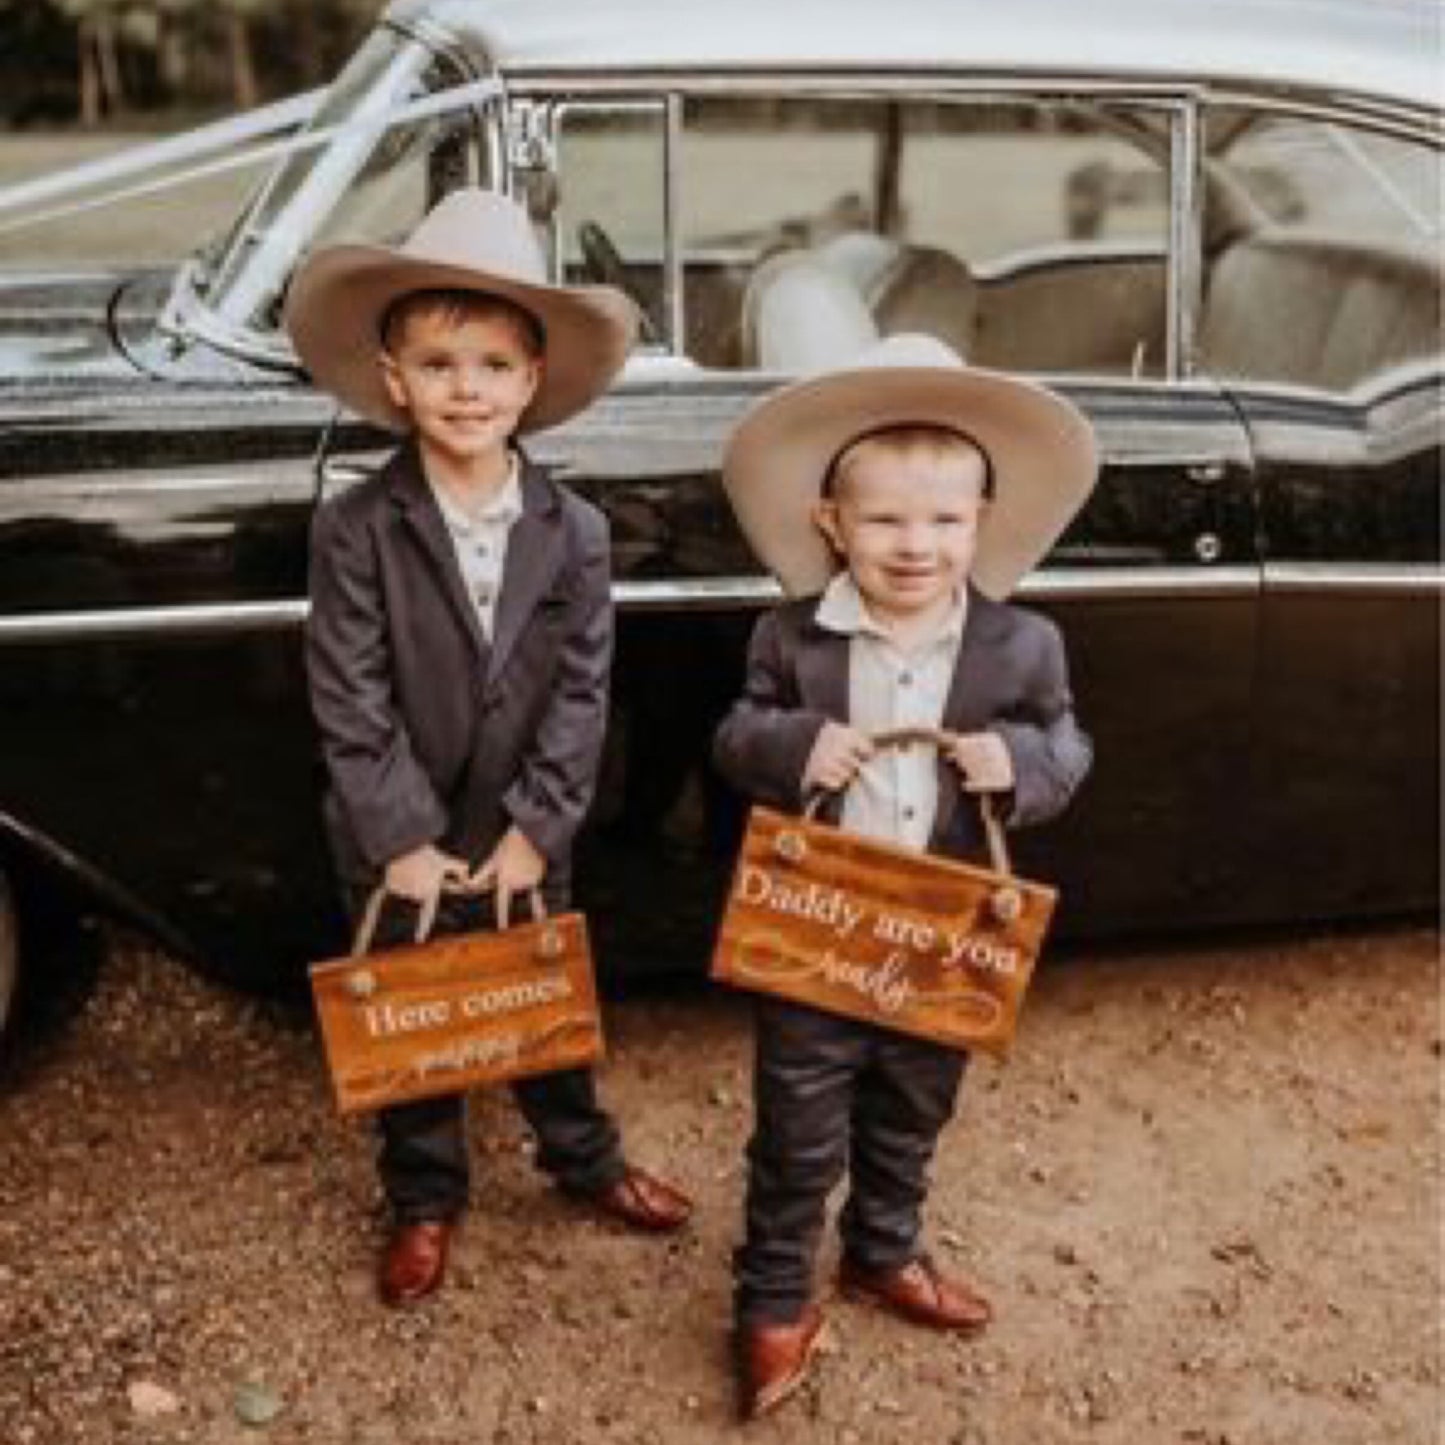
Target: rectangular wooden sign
[476,1008]
[907,940]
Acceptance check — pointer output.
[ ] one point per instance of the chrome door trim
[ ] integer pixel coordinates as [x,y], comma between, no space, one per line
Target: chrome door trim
[203,619]
[1363,579]
[1185,259]
[674,300]
[694,594]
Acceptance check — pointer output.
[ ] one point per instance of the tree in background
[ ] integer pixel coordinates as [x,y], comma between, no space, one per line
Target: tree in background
[143,57]
[37,63]
[98,56]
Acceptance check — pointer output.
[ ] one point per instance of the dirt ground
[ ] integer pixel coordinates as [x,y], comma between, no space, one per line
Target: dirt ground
[1204,1195]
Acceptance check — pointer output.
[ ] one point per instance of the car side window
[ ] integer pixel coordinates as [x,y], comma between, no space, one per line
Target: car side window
[608,216]
[1323,251]
[1029,235]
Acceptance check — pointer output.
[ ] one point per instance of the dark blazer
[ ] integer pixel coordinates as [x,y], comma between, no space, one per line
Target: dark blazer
[430,733]
[1010,678]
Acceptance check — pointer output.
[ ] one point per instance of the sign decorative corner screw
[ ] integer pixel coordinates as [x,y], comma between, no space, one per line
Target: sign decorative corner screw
[361,984]
[1006,904]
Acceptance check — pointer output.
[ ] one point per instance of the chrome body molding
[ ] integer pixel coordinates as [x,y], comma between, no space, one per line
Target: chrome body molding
[187,620]
[1365,579]
[704,594]
[694,594]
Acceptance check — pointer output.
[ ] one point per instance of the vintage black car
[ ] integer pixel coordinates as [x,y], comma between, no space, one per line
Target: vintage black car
[1216,227]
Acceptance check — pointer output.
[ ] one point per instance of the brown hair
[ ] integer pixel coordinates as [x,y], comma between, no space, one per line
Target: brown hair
[903,437]
[459,304]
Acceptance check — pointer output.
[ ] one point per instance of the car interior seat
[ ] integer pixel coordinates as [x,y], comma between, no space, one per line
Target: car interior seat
[1292,305]
[800,316]
[908,287]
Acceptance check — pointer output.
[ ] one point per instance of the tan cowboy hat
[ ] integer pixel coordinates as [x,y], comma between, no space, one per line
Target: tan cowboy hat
[473,240]
[1041,448]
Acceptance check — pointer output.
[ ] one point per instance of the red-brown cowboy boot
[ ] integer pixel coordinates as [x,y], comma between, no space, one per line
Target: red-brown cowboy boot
[414,1262]
[773,1360]
[919,1292]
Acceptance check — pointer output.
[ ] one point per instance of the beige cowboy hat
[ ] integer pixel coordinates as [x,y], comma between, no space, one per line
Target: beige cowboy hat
[1041,448]
[474,240]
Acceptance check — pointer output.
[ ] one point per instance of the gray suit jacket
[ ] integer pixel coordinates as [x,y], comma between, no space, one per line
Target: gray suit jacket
[1010,678]
[430,733]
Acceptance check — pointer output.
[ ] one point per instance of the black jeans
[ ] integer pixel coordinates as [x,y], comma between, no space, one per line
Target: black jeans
[423,1159]
[829,1094]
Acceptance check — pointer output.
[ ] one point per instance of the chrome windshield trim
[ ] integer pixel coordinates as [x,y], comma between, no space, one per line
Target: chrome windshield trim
[221,312]
[281,115]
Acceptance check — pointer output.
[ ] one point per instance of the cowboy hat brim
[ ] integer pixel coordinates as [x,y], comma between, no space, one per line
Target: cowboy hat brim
[338,297]
[1041,447]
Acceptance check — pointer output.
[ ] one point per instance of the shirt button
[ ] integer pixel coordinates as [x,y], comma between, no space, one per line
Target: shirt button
[904,679]
[908,814]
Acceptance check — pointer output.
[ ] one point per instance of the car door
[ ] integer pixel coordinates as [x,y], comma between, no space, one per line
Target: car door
[158,474]
[152,585]
[960,216]
[1322,323]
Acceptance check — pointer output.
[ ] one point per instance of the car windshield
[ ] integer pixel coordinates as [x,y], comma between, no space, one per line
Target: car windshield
[400,127]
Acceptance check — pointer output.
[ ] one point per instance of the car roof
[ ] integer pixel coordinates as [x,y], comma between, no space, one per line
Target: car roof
[1384,50]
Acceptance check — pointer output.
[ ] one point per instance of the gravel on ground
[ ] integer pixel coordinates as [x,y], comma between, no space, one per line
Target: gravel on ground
[1204,1195]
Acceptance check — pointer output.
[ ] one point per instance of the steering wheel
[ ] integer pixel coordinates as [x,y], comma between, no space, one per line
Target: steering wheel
[602,263]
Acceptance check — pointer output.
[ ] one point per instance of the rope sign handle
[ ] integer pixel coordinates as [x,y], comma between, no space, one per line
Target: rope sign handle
[426,916]
[938,738]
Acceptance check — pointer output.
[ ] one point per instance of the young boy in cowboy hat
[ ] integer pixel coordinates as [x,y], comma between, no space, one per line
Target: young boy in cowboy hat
[459,643]
[898,501]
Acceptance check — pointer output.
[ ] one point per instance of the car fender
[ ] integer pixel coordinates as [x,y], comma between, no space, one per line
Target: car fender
[36,865]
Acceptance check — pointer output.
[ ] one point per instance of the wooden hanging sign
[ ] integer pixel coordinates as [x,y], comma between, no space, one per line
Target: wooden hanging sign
[899,938]
[439,1017]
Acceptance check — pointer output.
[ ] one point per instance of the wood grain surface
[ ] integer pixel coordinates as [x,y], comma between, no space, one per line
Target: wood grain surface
[907,940]
[476,1008]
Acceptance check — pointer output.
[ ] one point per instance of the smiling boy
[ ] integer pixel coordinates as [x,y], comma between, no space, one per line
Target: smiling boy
[896,500]
[458,647]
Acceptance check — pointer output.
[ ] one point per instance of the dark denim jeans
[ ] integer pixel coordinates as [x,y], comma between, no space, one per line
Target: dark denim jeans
[832,1094]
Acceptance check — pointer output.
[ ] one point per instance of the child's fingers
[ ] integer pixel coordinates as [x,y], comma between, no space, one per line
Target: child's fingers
[453,877]
[482,879]
[504,902]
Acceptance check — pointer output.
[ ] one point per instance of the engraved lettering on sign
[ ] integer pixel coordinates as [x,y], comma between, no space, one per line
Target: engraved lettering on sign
[385,1018]
[981,953]
[880,933]
[509,997]
[892,984]
[830,907]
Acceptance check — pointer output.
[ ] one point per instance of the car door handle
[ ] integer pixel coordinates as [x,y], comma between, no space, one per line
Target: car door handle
[1207,473]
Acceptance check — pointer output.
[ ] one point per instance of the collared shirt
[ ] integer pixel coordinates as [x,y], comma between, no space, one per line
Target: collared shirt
[895,795]
[480,540]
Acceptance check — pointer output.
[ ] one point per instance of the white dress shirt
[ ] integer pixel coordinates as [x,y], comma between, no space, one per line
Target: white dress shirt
[895,796]
[480,540]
